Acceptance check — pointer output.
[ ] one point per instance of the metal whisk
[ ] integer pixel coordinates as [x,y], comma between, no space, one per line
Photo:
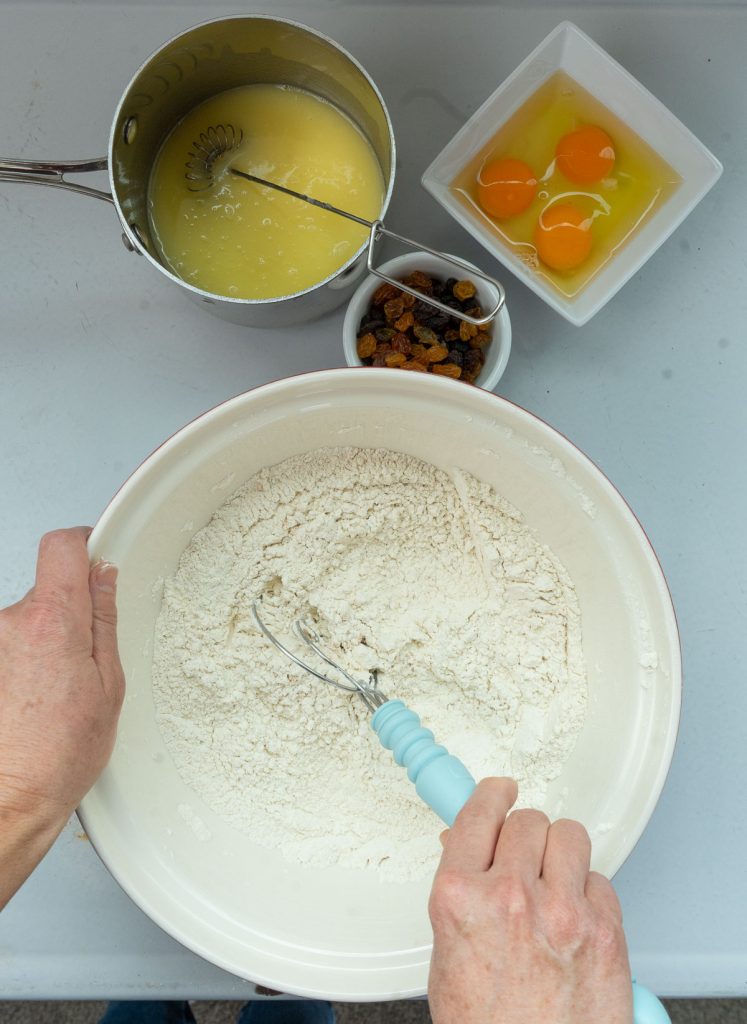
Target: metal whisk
[212,144]
[221,139]
[441,780]
[372,697]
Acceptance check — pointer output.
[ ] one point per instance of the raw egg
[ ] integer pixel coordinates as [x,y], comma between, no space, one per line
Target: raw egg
[506,187]
[562,236]
[586,155]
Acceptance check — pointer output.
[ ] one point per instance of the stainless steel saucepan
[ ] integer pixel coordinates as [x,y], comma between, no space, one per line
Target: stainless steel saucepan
[191,67]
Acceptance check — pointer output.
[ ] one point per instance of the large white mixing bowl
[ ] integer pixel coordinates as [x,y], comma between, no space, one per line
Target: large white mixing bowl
[339,933]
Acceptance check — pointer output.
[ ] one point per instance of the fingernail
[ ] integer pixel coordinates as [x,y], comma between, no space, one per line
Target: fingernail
[104,576]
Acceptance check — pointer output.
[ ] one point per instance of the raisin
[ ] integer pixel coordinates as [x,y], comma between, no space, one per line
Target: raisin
[475,311]
[455,357]
[422,310]
[417,279]
[464,290]
[466,331]
[472,361]
[425,334]
[448,370]
[369,324]
[385,334]
[383,293]
[405,321]
[393,309]
[449,284]
[366,346]
[412,364]
[408,301]
[383,349]
[418,352]
[480,340]
[395,359]
[451,335]
[378,360]
[439,321]
[436,353]
[401,343]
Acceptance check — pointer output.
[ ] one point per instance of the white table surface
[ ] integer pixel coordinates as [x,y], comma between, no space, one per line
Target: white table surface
[100,360]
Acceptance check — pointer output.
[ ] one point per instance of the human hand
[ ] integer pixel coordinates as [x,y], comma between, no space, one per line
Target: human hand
[524,933]
[61,688]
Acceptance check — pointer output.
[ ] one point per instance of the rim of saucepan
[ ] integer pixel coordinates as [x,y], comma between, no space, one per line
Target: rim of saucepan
[137,244]
[664,766]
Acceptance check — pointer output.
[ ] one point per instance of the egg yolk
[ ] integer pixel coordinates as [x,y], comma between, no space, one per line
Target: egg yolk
[506,187]
[562,236]
[586,155]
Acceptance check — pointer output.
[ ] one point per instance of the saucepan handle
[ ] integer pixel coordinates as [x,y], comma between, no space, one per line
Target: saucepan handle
[52,173]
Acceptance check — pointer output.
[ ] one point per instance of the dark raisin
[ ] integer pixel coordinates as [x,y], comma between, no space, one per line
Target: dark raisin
[422,309]
[455,357]
[385,334]
[472,361]
[369,324]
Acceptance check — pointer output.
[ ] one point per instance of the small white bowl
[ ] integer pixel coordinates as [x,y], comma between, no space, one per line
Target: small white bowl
[496,353]
[568,49]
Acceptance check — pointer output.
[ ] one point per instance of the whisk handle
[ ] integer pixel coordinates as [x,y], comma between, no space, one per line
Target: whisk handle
[441,780]
[443,783]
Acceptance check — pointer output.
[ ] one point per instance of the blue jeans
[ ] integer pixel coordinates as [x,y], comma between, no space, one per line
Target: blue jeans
[265,1012]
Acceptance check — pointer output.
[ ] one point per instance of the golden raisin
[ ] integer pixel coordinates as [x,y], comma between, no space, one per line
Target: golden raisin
[383,293]
[448,370]
[466,331]
[408,301]
[417,279]
[395,359]
[401,343]
[418,352]
[464,290]
[413,364]
[480,340]
[366,346]
[405,321]
[436,353]
[451,335]
[393,309]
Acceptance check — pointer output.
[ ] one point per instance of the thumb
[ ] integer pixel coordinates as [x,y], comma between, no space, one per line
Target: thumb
[102,582]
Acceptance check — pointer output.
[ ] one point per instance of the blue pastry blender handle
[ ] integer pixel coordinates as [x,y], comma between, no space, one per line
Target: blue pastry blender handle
[445,785]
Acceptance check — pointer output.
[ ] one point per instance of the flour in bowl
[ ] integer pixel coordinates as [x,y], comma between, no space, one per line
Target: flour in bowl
[430,578]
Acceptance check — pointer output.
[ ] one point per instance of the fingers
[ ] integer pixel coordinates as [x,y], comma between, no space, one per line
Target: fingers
[62,572]
[103,591]
[473,835]
[600,893]
[521,845]
[567,857]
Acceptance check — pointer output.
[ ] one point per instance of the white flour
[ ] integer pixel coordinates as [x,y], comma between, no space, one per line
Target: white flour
[431,579]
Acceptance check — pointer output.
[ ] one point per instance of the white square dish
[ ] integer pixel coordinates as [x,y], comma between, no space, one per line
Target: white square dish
[570,50]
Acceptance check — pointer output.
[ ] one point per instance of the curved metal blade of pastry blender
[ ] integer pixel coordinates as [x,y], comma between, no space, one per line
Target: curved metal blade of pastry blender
[372,697]
[376,231]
